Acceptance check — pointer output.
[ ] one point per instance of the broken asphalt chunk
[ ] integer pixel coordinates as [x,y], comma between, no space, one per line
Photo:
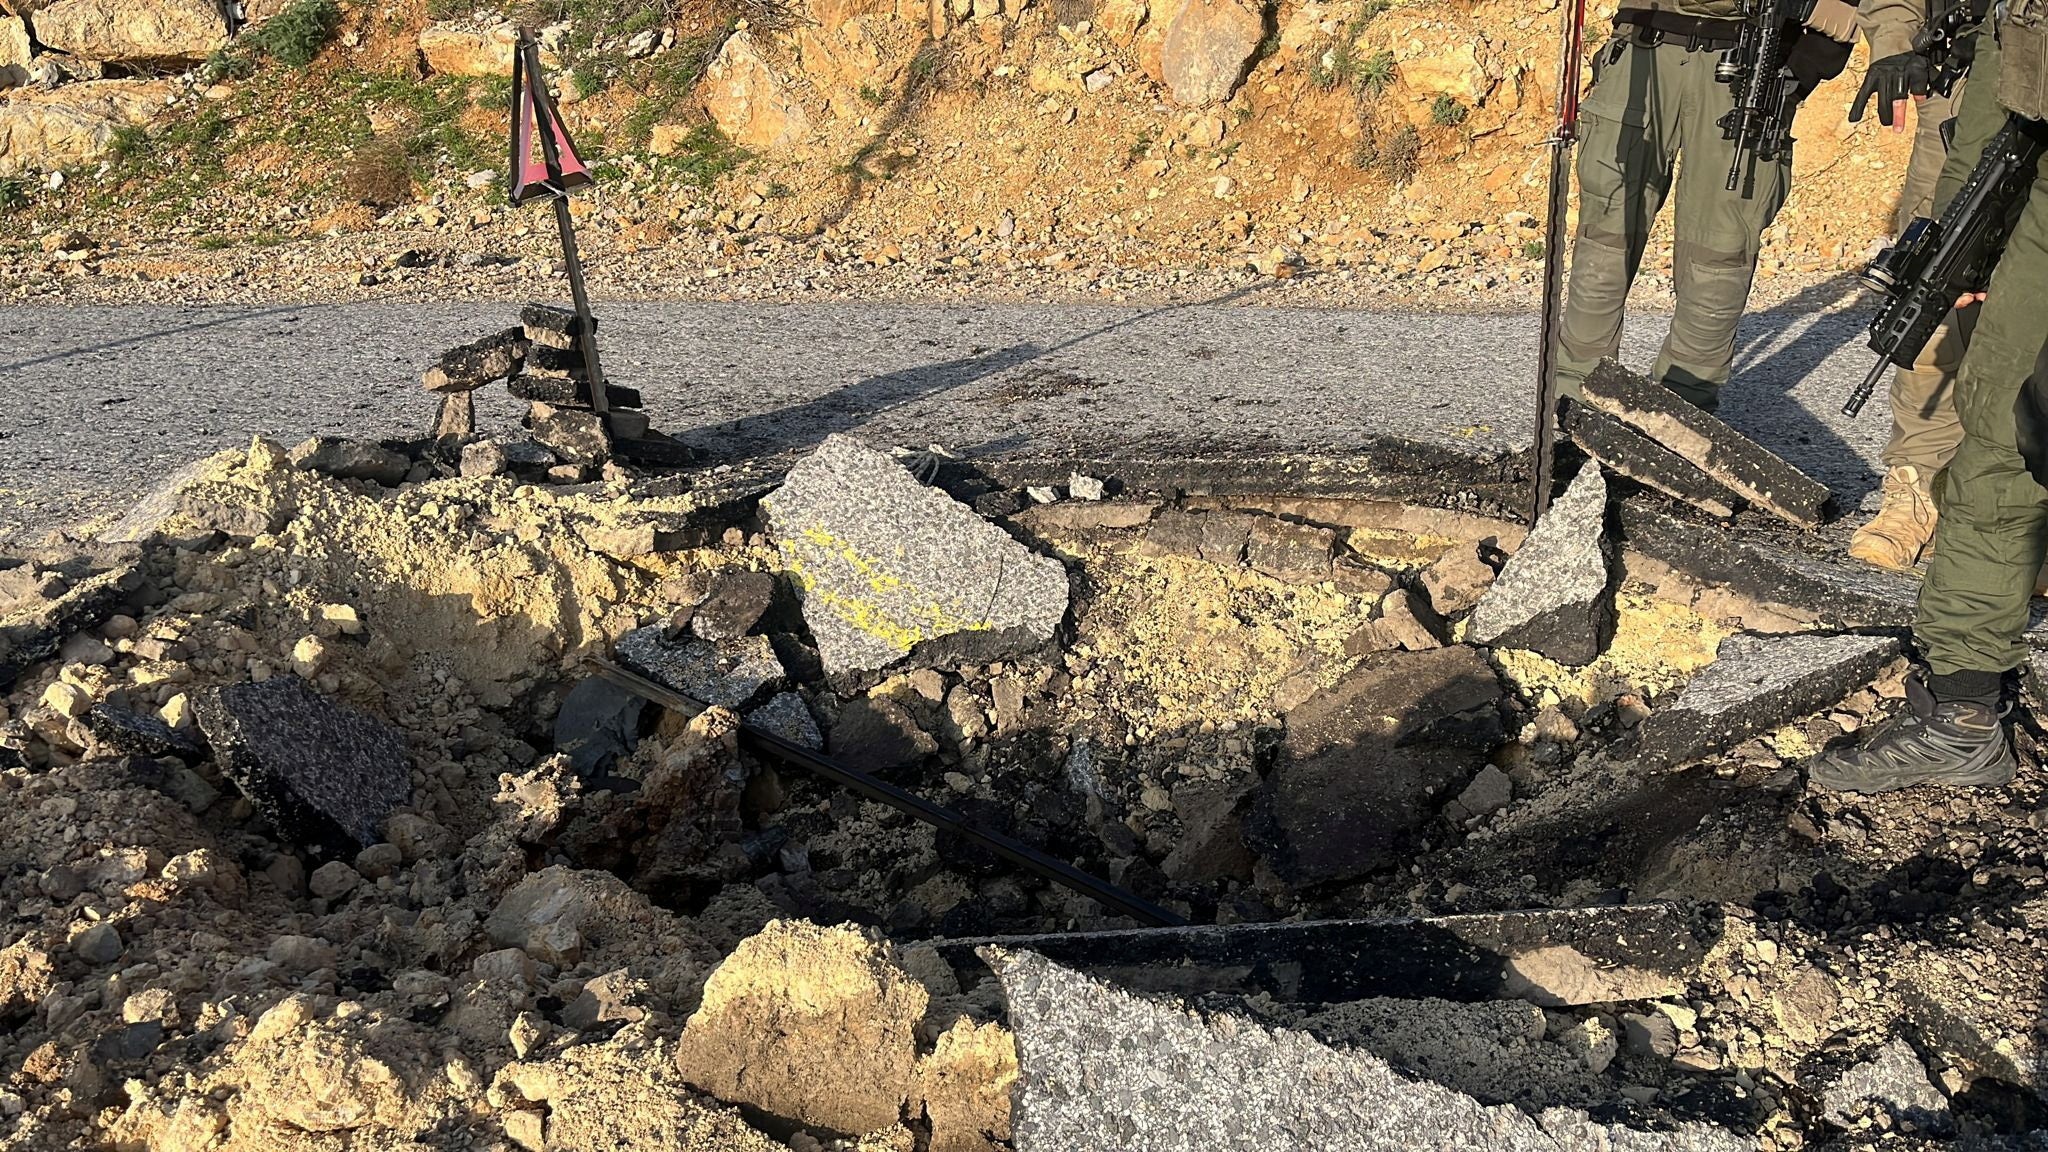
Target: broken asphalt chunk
[1552,596]
[555,390]
[1552,957]
[347,459]
[883,563]
[565,364]
[597,723]
[1832,593]
[1102,1070]
[1728,456]
[1757,684]
[318,771]
[728,674]
[1892,1082]
[548,317]
[1629,453]
[124,733]
[1368,762]
[466,367]
[786,715]
[34,631]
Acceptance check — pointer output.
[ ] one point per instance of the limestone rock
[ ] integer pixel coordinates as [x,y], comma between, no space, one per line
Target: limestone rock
[1551,596]
[750,101]
[26,977]
[15,51]
[576,436]
[1289,551]
[843,993]
[132,31]
[1206,49]
[1757,684]
[455,48]
[1369,761]
[884,564]
[1456,580]
[73,125]
[965,1084]
[553,913]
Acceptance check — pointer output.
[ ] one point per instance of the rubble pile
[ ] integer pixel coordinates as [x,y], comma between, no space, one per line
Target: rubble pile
[542,362]
[324,823]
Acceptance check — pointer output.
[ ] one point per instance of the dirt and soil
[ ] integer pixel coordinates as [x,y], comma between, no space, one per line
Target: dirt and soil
[1372,152]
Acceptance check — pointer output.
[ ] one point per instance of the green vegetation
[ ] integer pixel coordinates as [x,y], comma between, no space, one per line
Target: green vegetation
[1375,74]
[296,35]
[703,156]
[1394,155]
[1532,250]
[872,96]
[1446,112]
[13,193]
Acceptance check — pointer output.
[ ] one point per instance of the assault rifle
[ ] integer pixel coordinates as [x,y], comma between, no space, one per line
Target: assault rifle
[1766,93]
[1936,262]
[1942,42]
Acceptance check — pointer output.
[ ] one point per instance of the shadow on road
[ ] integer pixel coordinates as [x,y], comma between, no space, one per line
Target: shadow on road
[1777,350]
[797,426]
[231,316]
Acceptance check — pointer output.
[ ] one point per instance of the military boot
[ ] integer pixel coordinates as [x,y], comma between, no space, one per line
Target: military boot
[1958,743]
[1897,536]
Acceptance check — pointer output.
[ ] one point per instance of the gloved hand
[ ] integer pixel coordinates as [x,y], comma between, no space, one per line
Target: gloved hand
[1891,82]
[1814,60]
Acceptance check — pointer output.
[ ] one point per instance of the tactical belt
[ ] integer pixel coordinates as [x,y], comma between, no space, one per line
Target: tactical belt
[1698,33]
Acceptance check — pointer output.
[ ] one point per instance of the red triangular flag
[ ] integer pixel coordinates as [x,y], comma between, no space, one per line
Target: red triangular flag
[534,171]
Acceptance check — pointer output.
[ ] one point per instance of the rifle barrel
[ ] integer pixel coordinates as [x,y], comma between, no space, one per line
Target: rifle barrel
[1853,407]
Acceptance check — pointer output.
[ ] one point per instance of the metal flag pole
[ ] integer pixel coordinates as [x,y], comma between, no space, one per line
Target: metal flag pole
[1560,145]
[544,125]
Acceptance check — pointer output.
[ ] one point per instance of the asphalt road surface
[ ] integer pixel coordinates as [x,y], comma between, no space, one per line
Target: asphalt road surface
[100,402]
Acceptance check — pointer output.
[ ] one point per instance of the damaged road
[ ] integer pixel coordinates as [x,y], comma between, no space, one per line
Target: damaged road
[108,399]
[329,819]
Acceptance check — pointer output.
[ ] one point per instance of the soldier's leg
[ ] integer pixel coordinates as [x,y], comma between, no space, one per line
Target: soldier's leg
[1925,431]
[1973,605]
[1925,427]
[1717,235]
[1624,169]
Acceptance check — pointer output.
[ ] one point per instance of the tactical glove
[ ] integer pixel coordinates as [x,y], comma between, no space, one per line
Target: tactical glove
[1814,60]
[1889,81]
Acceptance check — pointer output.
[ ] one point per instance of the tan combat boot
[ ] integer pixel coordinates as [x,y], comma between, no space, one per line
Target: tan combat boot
[1899,533]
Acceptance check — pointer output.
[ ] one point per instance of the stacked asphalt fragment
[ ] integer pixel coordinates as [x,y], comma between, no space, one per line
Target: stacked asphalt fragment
[543,362]
[362,794]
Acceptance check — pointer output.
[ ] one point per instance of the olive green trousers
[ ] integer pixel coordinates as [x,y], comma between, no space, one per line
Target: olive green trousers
[1994,517]
[1925,427]
[1650,132]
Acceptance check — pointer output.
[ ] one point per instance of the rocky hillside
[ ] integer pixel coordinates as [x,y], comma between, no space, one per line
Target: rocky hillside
[1398,139]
